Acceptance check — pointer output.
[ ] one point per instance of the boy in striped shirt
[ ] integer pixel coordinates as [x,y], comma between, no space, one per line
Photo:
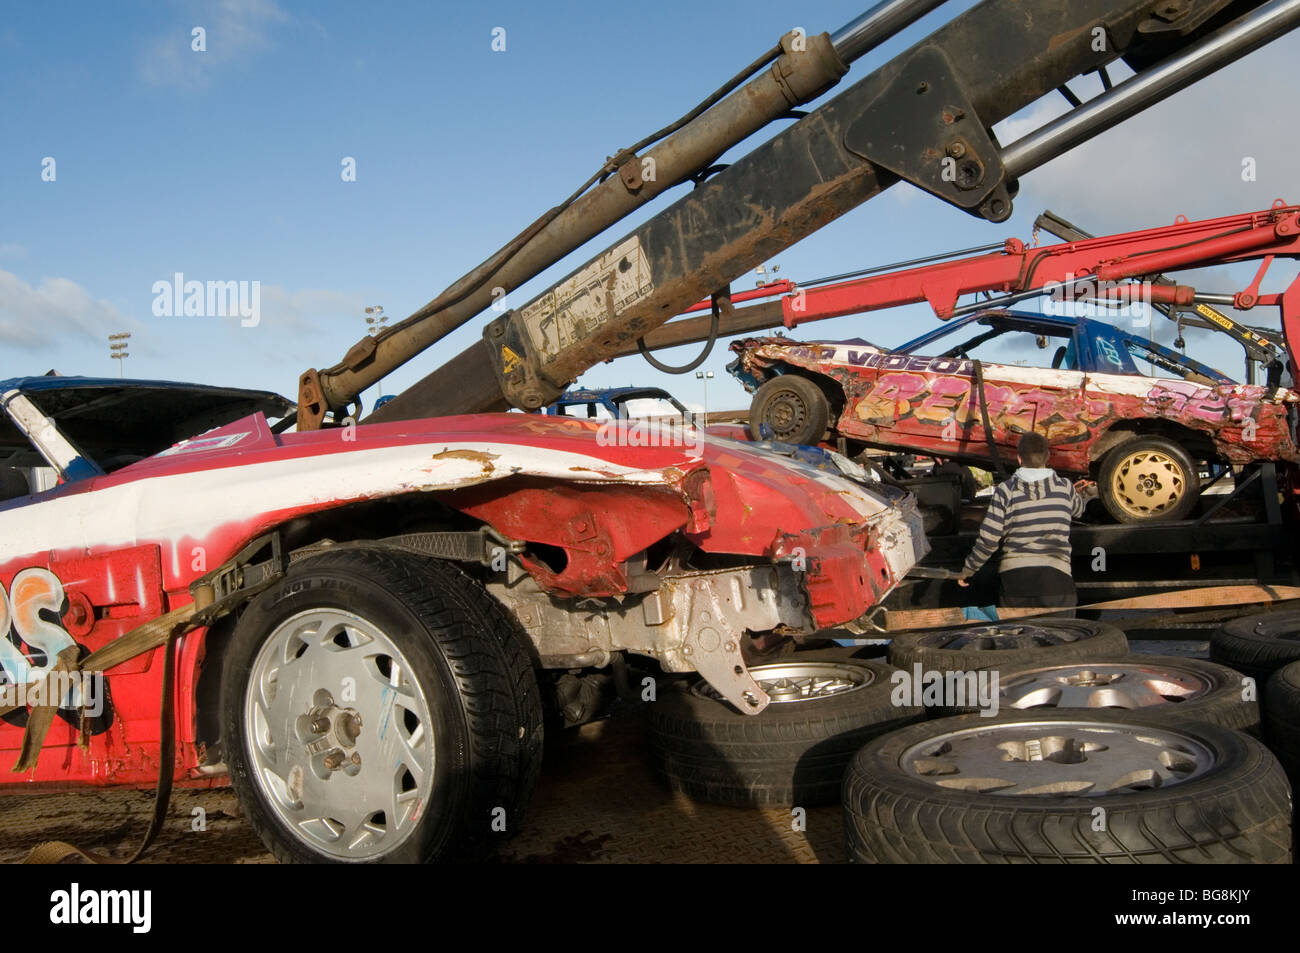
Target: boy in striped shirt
[1029,516]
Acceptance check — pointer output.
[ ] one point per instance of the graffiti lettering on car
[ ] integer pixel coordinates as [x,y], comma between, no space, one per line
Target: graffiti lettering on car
[938,401]
[27,613]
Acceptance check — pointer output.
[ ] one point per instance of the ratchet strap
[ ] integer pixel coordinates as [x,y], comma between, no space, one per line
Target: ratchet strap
[139,640]
[160,633]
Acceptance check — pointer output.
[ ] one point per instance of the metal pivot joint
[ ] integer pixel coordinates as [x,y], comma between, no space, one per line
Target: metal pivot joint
[924,129]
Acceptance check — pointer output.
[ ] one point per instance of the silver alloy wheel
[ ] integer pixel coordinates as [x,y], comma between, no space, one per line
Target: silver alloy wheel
[339,736]
[1079,758]
[1102,685]
[787,682]
[1000,636]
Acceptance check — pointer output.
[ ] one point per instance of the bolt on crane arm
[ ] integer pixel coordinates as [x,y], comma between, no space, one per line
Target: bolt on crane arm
[924,116]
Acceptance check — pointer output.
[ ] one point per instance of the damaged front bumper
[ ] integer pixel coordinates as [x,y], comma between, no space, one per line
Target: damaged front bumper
[697,620]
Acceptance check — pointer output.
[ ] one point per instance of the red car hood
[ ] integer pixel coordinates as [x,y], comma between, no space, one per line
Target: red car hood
[229,485]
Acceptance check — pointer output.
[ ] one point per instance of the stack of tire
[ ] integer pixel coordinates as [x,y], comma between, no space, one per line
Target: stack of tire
[825,705]
[1094,755]
[1266,647]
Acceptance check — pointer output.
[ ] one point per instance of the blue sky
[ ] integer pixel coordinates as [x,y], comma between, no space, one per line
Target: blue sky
[225,165]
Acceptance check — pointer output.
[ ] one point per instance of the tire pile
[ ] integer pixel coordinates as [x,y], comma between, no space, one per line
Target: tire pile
[1093,756]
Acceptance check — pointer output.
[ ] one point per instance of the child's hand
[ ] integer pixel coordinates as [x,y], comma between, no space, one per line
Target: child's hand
[963,582]
[1085,488]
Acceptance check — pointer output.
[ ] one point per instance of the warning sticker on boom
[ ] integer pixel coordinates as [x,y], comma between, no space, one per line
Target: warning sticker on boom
[576,308]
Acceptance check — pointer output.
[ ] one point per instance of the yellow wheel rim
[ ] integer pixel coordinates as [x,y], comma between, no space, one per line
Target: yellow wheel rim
[1148,483]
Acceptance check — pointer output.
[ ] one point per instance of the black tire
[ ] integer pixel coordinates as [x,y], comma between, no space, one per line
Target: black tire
[1238,810]
[790,754]
[1004,644]
[1282,718]
[1177,473]
[468,657]
[794,407]
[1222,702]
[1258,645]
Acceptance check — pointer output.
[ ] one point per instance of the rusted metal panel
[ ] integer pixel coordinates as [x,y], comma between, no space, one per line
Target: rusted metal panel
[590,524]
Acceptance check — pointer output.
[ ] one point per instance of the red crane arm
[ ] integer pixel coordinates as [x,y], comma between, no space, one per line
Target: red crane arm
[1018,269]
[1101,267]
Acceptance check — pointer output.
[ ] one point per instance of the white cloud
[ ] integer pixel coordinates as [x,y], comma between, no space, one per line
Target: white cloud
[310,309]
[54,312]
[235,30]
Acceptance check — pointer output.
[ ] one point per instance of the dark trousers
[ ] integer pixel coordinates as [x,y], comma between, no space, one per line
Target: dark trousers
[1036,587]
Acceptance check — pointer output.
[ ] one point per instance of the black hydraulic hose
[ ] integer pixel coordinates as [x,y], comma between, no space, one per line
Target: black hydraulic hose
[721,300]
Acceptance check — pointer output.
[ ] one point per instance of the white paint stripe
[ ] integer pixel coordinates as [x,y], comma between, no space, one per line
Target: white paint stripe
[195,504]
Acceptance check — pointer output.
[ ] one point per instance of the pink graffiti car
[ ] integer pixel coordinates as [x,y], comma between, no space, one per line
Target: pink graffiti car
[1141,437]
[398,593]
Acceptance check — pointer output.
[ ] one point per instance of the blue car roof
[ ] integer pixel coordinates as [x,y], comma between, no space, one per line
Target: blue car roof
[580,395]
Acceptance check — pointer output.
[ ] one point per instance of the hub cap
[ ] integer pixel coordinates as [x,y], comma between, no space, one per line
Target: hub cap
[1147,483]
[787,413]
[339,735]
[787,682]
[1080,758]
[1090,685]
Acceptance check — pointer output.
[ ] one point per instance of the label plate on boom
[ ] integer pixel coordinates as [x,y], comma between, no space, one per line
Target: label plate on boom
[574,309]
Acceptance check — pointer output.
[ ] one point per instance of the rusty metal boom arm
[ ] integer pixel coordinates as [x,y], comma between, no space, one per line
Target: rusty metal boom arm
[925,116]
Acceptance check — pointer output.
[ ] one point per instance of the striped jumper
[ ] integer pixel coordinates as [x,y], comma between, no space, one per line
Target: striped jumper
[1029,516]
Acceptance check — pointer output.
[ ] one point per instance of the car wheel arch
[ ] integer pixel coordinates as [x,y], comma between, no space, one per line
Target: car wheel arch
[1198,445]
[832,387]
[204,682]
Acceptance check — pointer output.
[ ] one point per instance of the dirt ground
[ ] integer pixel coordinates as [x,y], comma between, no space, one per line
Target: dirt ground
[598,802]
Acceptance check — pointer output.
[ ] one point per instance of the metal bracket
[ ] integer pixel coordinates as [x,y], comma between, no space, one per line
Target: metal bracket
[925,130]
[515,364]
[311,403]
[715,653]
[238,580]
[630,173]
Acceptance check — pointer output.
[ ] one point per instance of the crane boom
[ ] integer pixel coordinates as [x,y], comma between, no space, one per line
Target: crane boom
[924,117]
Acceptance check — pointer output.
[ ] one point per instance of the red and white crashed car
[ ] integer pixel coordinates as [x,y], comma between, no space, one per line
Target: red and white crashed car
[379,699]
[1140,437]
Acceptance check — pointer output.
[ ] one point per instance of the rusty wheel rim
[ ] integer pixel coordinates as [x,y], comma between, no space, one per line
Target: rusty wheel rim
[1148,483]
[787,413]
